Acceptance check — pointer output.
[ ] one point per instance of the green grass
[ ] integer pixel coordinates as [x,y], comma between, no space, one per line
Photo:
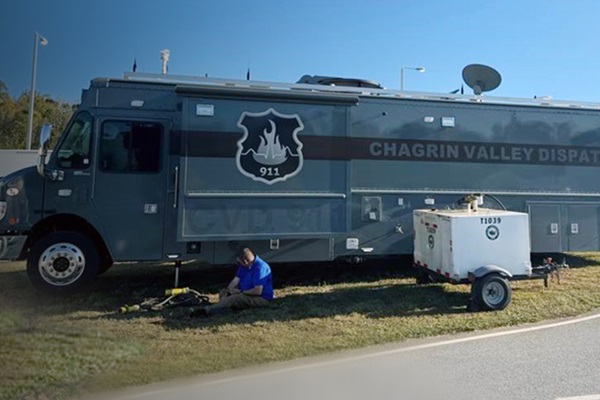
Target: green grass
[57,347]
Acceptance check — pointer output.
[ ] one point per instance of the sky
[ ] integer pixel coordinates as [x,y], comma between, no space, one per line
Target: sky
[540,47]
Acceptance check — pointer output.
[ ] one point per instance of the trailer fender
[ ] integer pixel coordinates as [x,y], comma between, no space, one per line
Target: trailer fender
[488,269]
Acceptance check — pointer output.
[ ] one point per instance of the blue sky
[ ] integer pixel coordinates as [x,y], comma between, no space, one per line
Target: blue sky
[540,47]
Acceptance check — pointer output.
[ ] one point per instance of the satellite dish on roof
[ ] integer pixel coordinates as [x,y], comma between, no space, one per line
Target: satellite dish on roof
[481,78]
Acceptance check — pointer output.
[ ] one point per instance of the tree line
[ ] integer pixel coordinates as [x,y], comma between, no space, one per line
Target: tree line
[14,115]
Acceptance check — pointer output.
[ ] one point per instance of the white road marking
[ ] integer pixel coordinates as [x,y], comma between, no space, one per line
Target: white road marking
[590,397]
[381,354]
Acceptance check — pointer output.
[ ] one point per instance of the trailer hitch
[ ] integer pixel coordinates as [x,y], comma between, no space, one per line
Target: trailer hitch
[550,269]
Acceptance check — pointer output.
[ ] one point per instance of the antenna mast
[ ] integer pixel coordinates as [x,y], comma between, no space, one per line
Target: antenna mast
[164,58]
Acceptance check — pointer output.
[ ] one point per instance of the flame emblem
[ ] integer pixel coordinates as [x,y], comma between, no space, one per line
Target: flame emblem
[270,150]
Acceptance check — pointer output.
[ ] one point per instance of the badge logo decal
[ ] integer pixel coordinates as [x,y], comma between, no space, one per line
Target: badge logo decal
[270,150]
[492,232]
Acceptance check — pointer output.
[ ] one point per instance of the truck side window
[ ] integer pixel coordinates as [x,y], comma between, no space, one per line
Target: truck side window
[127,146]
[74,151]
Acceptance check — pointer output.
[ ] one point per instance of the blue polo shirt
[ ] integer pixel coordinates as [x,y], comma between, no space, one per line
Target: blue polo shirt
[259,273]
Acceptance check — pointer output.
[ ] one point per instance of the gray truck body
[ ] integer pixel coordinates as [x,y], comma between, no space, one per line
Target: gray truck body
[301,172]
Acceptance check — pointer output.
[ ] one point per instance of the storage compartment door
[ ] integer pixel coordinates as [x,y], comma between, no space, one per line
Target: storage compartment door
[582,227]
[545,228]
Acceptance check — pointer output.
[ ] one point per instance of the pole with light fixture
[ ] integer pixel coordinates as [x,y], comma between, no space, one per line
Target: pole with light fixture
[37,39]
[418,69]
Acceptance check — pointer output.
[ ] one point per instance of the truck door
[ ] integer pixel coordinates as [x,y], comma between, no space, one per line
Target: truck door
[130,186]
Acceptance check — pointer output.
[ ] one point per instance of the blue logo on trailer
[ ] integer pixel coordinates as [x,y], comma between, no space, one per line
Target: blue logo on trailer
[270,150]
[492,232]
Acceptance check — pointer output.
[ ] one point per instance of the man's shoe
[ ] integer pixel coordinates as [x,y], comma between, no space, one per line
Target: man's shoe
[200,313]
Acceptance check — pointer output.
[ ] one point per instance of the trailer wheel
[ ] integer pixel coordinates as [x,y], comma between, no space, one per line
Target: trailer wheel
[491,292]
[62,262]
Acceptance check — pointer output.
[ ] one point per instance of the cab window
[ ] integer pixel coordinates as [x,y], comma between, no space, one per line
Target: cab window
[128,146]
[74,151]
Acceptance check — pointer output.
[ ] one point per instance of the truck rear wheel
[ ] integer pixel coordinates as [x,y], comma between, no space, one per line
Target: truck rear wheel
[491,292]
[62,262]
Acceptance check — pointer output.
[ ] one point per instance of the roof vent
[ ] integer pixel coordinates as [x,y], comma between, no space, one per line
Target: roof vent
[334,81]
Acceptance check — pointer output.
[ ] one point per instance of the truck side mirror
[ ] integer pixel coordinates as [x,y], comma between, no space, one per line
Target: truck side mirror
[45,132]
[42,151]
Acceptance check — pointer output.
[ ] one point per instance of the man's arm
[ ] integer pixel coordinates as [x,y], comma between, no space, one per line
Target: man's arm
[255,291]
[233,285]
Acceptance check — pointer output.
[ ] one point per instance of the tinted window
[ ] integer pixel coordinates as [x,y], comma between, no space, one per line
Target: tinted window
[130,146]
[74,151]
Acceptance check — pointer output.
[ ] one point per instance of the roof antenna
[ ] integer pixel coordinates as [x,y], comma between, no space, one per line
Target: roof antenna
[164,58]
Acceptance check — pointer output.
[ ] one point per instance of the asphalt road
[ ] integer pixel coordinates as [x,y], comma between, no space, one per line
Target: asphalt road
[558,360]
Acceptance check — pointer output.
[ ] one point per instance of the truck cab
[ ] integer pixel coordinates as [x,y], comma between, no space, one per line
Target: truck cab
[99,197]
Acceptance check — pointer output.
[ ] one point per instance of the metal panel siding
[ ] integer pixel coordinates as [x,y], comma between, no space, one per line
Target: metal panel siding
[289,250]
[218,202]
[491,148]
[231,219]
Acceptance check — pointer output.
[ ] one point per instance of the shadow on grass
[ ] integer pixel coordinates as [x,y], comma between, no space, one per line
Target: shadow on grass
[127,284]
[372,301]
[132,284]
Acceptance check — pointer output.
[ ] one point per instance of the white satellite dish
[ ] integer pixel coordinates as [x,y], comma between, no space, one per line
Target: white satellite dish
[481,78]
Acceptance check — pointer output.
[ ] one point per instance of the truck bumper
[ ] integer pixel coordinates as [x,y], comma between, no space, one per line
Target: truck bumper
[11,246]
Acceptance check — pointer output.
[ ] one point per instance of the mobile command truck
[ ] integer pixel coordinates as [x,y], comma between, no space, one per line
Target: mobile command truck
[159,167]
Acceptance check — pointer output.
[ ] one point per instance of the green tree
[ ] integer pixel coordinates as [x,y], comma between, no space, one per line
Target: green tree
[14,116]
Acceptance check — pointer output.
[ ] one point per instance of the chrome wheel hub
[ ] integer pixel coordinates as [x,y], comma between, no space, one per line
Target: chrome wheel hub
[494,293]
[61,264]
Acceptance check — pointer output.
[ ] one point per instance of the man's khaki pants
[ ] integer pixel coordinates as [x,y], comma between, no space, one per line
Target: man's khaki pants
[237,301]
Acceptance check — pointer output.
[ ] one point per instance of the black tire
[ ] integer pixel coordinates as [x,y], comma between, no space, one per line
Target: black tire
[491,292]
[62,262]
[105,265]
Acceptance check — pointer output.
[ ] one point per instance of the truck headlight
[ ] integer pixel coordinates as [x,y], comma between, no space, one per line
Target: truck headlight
[2,209]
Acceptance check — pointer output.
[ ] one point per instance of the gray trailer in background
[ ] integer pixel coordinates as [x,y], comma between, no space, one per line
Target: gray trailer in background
[13,160]
[159,167]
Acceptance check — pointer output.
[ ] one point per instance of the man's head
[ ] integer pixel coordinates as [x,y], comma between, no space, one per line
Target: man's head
[245,257]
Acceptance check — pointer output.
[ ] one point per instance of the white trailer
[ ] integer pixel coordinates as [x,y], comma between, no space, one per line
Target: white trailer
[14,160]
[482,246]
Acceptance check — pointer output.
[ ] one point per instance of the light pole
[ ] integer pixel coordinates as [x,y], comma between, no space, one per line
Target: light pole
[419,69]
[36,39]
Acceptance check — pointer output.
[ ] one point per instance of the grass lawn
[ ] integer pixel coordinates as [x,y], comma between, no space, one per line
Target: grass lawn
[58,347]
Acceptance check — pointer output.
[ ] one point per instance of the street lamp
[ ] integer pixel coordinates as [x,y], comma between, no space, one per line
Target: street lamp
[36,39]
[418,69]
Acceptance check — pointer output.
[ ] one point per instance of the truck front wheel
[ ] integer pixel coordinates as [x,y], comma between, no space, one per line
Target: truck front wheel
[62,262]
[491,292]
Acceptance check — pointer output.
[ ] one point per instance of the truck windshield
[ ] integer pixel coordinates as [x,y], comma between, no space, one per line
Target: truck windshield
[74,151]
